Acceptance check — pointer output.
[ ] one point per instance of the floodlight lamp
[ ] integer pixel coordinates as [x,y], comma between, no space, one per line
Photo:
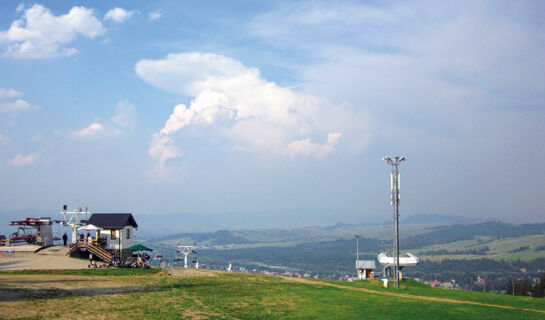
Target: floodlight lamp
[402,159]
[388,160]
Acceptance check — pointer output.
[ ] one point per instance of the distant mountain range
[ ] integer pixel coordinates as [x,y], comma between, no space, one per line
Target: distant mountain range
[435,217]
[204,227]
[424,223]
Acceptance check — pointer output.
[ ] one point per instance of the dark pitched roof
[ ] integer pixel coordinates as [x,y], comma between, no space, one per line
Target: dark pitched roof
[112,220]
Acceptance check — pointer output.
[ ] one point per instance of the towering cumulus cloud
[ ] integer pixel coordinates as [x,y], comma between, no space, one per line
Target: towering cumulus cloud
[255,114]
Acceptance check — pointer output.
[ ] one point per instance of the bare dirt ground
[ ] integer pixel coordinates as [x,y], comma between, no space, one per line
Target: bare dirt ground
[51,258]
[181,273]
[43,296]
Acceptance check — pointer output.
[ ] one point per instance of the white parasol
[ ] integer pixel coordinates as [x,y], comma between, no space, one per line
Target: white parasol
[89,227]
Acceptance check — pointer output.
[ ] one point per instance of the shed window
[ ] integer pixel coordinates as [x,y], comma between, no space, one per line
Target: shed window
[128,233]
[113,234]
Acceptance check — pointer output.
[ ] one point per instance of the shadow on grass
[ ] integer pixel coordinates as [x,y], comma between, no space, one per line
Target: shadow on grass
[16,294]
[8,263]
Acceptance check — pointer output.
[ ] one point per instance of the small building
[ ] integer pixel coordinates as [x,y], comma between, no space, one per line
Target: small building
[115,231]
[365,268]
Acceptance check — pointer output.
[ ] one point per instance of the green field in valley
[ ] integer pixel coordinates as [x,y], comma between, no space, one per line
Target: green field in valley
[201,294]
[525,248]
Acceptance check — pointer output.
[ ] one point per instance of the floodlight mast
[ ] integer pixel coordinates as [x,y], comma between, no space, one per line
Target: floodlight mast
[357,236]
[394,186]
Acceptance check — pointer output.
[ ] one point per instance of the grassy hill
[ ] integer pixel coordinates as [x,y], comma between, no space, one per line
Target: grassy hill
[201,294]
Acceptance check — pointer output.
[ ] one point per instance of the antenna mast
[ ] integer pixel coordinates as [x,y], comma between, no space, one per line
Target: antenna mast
[394,183]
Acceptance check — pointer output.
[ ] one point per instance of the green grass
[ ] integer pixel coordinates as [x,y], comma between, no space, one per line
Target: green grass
[412,287]
[249,296]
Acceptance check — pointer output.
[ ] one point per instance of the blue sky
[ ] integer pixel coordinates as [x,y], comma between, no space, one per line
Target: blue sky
[263,108]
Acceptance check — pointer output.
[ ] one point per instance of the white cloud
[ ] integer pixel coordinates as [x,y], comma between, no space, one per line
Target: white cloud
[8,104]
[118,15]
[38,34]
[155,15]
[437,59]
[20,7]
[93,130]
[124,120]
[9,93]
[20,160]
[14,106]
[306,147]
[163,148]
[125,115]
[259,115]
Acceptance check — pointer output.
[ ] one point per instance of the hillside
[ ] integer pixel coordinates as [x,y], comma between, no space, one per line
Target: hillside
[516,251]
[201,294]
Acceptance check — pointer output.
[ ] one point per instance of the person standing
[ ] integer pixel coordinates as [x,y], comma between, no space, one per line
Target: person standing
[64,238]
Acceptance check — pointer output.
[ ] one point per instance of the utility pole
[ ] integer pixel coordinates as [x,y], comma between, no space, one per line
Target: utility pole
[394,185]
[357,236]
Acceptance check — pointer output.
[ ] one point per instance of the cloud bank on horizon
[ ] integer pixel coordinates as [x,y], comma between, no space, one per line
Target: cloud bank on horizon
[257,115]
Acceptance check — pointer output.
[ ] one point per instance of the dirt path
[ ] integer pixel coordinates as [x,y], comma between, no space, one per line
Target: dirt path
[50,258]
[404,295]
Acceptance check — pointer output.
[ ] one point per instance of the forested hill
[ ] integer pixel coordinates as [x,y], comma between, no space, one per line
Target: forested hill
[457,232]
[419,235]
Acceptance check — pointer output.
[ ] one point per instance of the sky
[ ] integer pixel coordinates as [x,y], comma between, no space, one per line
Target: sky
[266,109]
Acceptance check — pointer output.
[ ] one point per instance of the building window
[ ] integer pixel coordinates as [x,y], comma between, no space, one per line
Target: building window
[113,234]
[128,233]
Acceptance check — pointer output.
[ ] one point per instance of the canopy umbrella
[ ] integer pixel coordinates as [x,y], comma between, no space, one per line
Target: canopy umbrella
[89,227]
[138,247]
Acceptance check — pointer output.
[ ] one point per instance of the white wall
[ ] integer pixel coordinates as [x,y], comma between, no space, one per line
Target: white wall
[114,244]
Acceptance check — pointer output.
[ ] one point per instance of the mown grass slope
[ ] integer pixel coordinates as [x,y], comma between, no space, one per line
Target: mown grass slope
[190,294]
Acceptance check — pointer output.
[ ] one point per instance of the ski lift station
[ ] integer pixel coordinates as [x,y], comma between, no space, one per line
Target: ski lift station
[388,262]
[32,231]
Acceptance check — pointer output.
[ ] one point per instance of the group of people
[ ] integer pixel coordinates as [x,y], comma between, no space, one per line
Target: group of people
[87,238]
[143,261]
[93,264]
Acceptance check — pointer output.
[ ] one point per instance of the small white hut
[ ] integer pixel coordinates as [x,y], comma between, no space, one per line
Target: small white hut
[115,230]
[365,268]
